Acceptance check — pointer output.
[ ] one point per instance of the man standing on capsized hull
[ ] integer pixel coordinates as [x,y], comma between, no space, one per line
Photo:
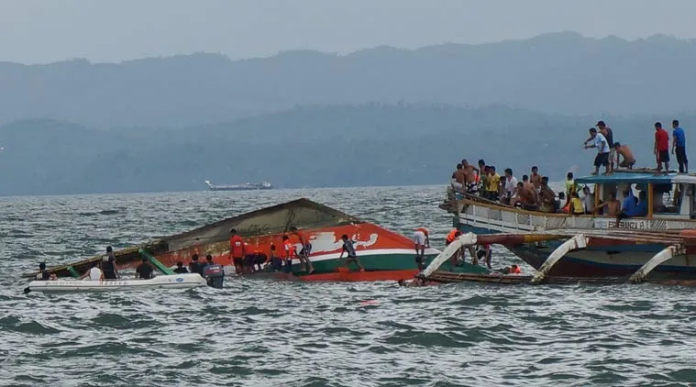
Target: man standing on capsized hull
[305,251]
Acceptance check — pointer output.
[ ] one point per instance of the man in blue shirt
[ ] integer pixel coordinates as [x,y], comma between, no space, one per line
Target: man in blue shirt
[679,145]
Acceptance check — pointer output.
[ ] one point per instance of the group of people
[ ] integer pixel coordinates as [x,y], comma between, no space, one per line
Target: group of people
[103,269]
[613,154]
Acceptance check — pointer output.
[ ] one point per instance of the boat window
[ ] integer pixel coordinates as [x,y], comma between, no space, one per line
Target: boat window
[663,199]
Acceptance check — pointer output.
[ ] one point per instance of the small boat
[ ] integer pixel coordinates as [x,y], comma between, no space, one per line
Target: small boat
[178,281]
[239,187]
[384,254]
[671,209]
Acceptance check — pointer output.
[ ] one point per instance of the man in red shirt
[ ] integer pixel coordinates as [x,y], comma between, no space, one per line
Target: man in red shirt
[237,251]
[661,147]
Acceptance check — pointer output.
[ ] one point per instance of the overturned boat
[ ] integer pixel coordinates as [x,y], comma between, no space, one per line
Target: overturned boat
[179,281]
[385,255]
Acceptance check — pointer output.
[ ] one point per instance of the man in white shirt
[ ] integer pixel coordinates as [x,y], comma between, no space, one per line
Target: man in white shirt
[510,186]
[599,142]
[94,274]
[588,200]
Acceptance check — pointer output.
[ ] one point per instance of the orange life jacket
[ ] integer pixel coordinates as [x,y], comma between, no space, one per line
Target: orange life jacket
[237,247]
[514,269]
[451,236]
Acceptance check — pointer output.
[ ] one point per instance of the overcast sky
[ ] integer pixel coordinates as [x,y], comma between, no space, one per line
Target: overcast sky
[40,31]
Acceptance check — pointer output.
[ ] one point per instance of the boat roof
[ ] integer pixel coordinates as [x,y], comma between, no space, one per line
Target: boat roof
[638,176]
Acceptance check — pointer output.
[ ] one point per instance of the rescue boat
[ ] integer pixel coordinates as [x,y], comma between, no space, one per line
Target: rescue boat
[179,281]
[385,255]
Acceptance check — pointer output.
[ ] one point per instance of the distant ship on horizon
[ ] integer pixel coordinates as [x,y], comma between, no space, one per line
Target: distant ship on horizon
[239,187]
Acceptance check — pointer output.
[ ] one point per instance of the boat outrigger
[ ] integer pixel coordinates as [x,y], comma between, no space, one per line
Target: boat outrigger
[675,247]
[671,213]
[385,255]
[179,281]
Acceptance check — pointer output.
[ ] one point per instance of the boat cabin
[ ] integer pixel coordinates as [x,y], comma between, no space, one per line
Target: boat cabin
[669,196]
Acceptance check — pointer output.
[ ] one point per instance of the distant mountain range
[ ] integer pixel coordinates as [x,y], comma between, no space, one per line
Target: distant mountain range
[363,145]
[561,73]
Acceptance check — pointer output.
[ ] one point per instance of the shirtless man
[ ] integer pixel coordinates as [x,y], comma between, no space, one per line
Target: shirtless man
[547,196]
[625,152]
[458,178]
[535,178]
[611,207]
[530,188]
[526,198]
[469,176]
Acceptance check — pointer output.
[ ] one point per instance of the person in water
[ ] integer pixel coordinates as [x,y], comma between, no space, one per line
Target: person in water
[194,266]
[144,271]
[94,273]
[44,275]
[275,261]
[349,249]
[180,269]
[483,252]
[305,251]
[109,264]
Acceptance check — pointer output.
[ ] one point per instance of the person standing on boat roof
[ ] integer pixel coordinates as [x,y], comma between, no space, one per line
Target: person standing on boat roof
[237,251]
[609,136]
[144,270]
[349,248]
[305,251]
[195,266]
[679,145]
[109,264]
[661,147]
[599,142]
[94,273]
[180,269]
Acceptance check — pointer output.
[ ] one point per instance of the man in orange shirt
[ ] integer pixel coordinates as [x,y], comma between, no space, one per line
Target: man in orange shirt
[237,251]
[305,251]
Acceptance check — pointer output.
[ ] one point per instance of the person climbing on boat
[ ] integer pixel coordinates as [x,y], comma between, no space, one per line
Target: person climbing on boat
[144,270]
[305,251]
[623,150]
[109,264]
[94,273]
[679,145]
[600,142]
[237,251]
[195,266]
[421,241]
[180,269]
[289,252]
[484,253]
[275,262]
[349,249]
[661,147]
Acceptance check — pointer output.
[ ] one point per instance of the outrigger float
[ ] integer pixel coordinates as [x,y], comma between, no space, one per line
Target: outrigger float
[675,246]
[385,255]
[671,203]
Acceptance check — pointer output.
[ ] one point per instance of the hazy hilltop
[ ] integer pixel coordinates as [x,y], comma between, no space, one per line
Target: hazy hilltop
[562,73]
[314,146]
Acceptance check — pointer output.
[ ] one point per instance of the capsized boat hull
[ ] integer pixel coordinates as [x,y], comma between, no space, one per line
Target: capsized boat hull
[179,281]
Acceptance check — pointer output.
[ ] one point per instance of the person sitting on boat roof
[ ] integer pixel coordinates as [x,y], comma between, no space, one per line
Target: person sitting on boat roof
[349,248]
[94,273]
[237,251]
[44,275]
[305,251]
[109,264]
[622,150]
[144,270]
[180,269]
[600,142]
